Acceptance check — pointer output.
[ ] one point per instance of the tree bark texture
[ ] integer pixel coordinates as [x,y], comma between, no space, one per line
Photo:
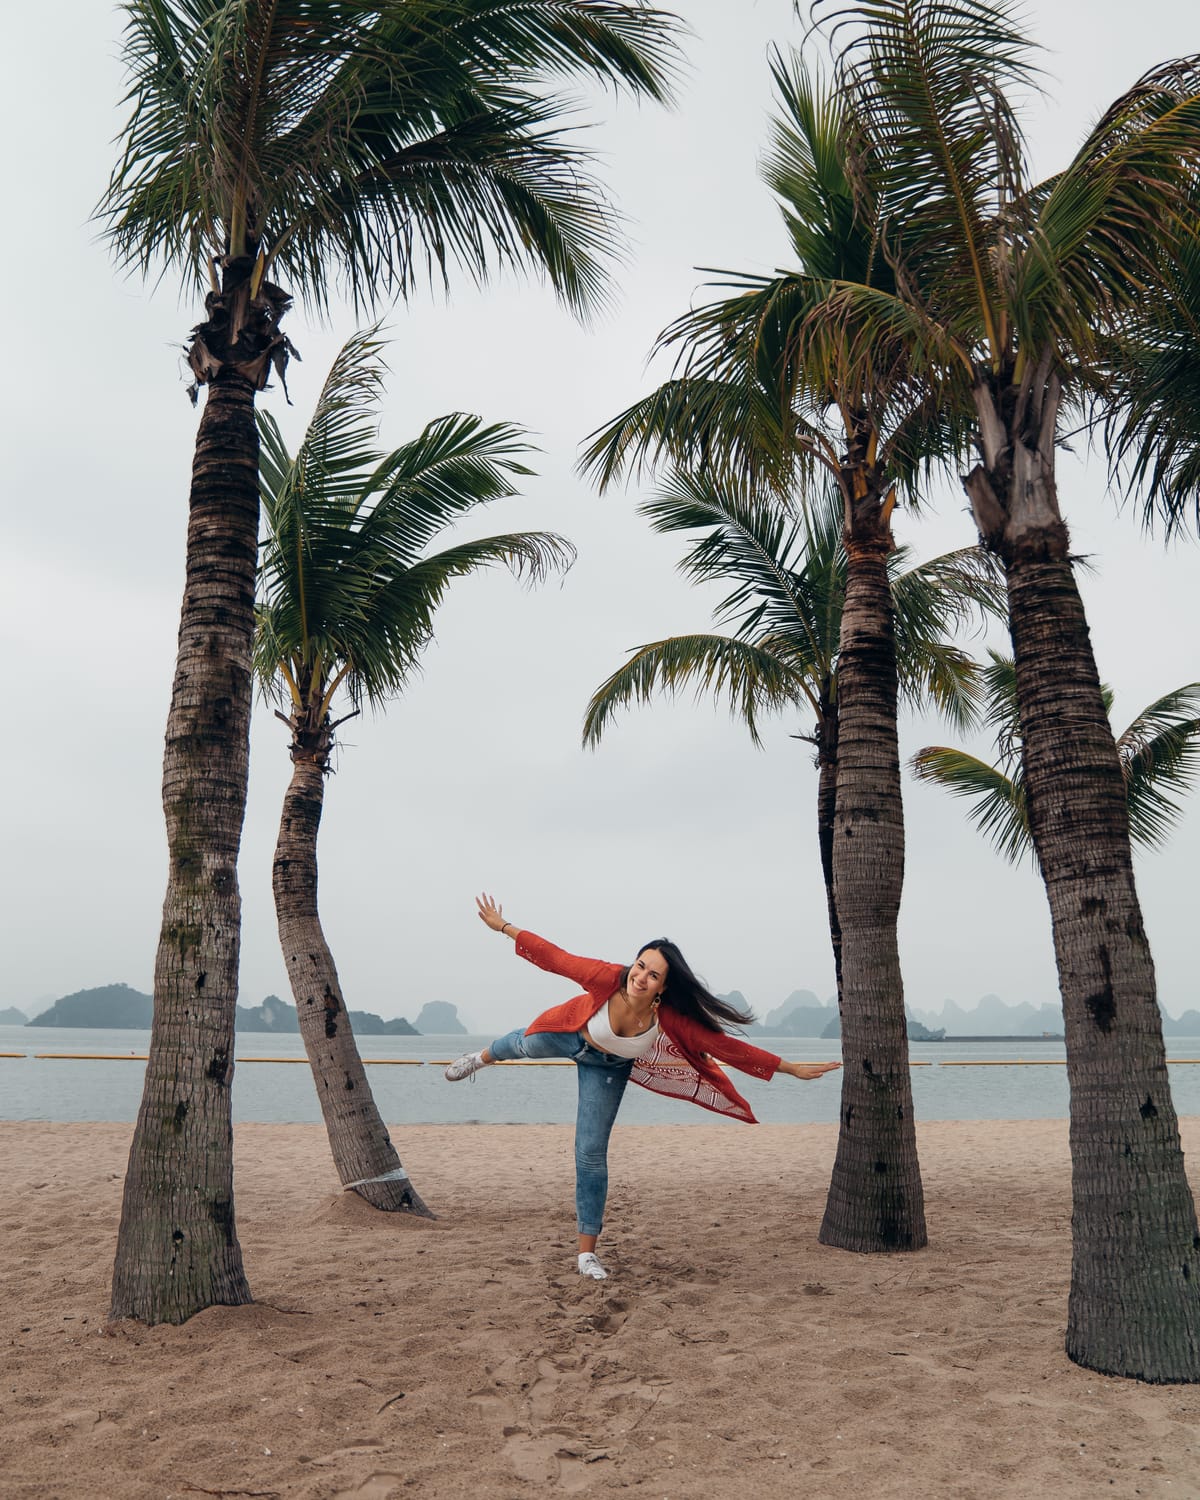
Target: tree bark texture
[1134,1306]
[177,1247]
[876,1201]
[362,1150]
[827,736]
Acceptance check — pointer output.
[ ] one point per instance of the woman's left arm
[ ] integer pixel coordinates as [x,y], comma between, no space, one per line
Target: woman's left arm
[756,1060]
[807,1070]
[744,1056]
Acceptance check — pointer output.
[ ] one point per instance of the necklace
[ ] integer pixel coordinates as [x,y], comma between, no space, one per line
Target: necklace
[644,1021]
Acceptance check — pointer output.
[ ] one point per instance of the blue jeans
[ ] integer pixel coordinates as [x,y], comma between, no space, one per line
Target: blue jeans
[602,1080]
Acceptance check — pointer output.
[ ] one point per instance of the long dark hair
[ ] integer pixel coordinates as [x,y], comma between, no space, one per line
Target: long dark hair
[684,993]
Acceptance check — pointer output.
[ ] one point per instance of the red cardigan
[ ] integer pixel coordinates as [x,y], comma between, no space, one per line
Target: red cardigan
[681,1062]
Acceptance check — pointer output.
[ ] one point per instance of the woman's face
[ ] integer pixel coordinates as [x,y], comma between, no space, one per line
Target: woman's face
[647,976]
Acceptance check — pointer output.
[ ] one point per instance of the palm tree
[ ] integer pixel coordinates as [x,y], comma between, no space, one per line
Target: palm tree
[349,591]
[757,399]
[1007,293]
[1159,754]
[788,580]
[275,149]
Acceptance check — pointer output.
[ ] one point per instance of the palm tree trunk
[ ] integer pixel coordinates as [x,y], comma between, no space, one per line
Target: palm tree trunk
[827,736]
[362,1150]
[876,1201]
[177,1246]
[1134,1305]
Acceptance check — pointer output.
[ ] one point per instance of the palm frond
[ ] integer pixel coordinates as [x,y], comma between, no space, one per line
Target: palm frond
[944,676]
[947,593]
[933,601]
[1096,244]
[457,463]
[383,645]
[805,167]
[746,540]
[998,808]
[1150,427]
[753,680]
[696,422]
[340,443]
[348,587]
[938,147]
[1160,756]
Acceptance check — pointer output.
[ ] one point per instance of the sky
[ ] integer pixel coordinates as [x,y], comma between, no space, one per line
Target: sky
[676,826]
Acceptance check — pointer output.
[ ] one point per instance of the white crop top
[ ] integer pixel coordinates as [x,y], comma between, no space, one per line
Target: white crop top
[603,1036]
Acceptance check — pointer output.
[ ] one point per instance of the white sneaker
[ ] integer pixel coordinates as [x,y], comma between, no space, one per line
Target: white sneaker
[465,1066]
[589,1265]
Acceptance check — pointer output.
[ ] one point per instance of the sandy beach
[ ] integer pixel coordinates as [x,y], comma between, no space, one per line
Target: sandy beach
[729,1353]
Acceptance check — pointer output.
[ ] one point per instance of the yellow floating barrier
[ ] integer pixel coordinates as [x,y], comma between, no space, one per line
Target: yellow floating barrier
[12,1054]
[557,1062]
[94,1056]
[1042,1062]
[1008,1062]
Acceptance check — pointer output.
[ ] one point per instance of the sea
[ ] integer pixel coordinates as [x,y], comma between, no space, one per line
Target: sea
[52,1077]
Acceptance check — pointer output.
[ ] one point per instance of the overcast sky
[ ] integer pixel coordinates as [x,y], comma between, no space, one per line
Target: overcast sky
[476,779]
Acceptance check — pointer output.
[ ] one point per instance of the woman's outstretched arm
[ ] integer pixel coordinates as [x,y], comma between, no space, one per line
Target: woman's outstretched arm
[807,1070]
[594,974]
[491,914]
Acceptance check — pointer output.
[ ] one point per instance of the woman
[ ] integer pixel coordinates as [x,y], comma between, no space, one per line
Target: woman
[652,1021]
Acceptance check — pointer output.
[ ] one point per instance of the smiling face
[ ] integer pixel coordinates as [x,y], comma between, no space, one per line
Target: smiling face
[647,977]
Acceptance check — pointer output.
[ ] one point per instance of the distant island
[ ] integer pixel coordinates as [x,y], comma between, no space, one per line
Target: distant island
[803,1015]
[440,1018]
[120,1007]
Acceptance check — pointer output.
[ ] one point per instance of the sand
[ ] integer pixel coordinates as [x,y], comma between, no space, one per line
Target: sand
[729,1354]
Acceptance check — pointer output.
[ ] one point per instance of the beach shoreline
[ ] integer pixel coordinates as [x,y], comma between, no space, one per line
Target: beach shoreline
[388,1357]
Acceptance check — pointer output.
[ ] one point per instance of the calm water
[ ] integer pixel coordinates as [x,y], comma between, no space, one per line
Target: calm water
[33,1088]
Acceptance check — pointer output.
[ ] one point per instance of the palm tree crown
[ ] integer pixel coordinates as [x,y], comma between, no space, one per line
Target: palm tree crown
[371,142]
[763,387]
[999,282]
[349,588]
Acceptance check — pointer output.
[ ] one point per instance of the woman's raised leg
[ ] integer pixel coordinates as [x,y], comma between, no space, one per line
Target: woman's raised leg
[513,1046]
[601,1087]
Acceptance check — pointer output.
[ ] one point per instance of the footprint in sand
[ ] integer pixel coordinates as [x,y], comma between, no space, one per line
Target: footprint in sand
[557,1458]
[375,1487]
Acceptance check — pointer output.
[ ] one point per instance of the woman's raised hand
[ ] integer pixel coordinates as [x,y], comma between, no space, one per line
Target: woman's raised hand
[491,913]
[807,1070]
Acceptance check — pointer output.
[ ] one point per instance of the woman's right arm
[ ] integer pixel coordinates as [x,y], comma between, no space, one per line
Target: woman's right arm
[593,974]
[491,914]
